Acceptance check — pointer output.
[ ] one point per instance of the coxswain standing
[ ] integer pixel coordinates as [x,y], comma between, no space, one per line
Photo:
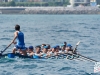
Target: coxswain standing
[20,45]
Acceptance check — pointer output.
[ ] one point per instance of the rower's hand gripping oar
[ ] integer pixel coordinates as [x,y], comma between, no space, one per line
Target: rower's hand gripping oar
[5,49]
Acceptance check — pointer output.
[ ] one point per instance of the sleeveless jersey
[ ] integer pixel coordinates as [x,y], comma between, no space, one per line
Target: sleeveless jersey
[20,39]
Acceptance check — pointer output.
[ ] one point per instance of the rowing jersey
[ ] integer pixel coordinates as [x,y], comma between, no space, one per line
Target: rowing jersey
[62,51]
[20,39]
[36,56]
[52,53]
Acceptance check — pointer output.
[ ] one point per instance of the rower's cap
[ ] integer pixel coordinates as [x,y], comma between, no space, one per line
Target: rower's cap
[57,45]
[54,47]
[62,45]
[45,47]
[69,45]
[30,47]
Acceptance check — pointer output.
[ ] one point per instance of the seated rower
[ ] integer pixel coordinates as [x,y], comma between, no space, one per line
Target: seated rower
[42,46]
[69,49]
[30,51]
[58,47]
[57,50]
[53,51]
[49,48]
[37,53]
[62,51]
[44,53]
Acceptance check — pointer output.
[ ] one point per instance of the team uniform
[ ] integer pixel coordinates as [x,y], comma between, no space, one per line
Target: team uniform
[20,41]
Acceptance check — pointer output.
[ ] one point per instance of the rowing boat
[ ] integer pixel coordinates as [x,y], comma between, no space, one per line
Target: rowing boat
[61,56]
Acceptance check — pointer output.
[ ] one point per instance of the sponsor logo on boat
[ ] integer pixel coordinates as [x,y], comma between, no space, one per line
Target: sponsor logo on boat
[97,67]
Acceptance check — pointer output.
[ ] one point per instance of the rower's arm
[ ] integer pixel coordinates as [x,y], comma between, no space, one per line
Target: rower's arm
[15,36]
[31,54]
[40,54]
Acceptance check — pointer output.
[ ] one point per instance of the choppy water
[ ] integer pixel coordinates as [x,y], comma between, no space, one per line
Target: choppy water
[52,29]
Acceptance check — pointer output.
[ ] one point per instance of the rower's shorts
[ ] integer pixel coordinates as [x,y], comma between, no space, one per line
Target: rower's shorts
[20,47]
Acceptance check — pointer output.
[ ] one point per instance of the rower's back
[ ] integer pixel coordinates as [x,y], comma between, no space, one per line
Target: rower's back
[20,38]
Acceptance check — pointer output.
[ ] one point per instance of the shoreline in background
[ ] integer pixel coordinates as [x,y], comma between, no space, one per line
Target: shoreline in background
[50,10]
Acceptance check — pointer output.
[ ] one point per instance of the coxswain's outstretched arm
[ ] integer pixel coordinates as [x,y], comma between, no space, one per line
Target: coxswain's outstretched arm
[15,36]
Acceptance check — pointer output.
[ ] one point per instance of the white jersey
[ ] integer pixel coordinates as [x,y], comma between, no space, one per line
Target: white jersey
[52,54]
[62,51]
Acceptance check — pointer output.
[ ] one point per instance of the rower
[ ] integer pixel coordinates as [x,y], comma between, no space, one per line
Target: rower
[49,48]
[62,51]
[58,47]
[69,49]
[37,54]
[20,45]
[42,46]
[44,53]
[30,51]
[53,51]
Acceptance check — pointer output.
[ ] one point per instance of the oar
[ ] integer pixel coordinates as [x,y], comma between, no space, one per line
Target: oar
[76,47]
[5,49]
[82,55]
[87,58]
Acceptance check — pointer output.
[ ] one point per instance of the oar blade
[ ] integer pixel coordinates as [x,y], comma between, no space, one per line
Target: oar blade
[78,43]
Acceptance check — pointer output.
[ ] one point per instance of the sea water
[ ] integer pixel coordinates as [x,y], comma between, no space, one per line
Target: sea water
[51,29]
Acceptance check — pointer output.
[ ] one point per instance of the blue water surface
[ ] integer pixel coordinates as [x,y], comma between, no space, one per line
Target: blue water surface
[52,29]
